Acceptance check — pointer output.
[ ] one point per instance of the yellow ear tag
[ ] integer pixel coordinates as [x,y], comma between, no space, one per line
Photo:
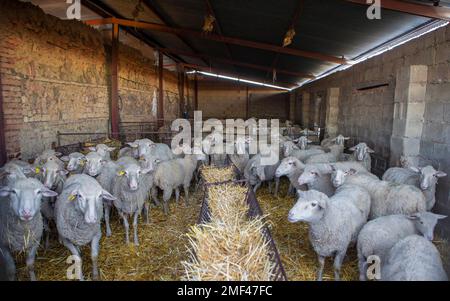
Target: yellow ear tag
[121,173]
[72,197]
[37,170]
[82,163]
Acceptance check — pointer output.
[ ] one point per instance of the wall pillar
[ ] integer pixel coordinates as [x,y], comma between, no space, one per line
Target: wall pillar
[409,109]
[332,112]
[305,109]
[316,117]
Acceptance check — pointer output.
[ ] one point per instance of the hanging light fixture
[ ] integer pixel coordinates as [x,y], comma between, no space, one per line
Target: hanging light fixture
[137,10]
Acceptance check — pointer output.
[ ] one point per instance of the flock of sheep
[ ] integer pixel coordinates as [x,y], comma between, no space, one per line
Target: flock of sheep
[337,195]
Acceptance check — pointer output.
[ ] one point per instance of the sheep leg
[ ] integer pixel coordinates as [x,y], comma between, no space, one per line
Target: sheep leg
[155,196]
[321,266]
[94,255]
[107,213]
[362,267]
[147,212]
[277,185]
[30,262]
[290,190]
[177,194]
[338,263]
[75,252]
[166,197]
[135,226]
[10,267]
[269,185]
[127,227]
[46,233]
[256,187]
[186,195]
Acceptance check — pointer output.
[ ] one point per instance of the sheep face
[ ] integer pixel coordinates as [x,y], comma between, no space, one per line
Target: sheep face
[74,161]
[25,197]
[425,223]
[50,172]
[428,176]
[310,175]
[340,140]
[310,207]
[287,166]
[94,164]
[361,150]
[338,176]
[12,173]
[133,173]
[303,142]
[102,149]
[289,147]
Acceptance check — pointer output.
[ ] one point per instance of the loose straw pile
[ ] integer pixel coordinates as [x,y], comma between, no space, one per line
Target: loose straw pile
[230,247]
[215,175]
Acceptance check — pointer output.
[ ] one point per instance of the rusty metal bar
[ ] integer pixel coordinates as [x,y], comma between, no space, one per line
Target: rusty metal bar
[221,39]
[160,110]
[429,11]
[114,107]
[3,155]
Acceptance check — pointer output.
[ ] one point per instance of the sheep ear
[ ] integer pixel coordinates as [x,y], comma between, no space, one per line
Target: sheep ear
[415,169]
[65,158]
[58,154]
[111,149]
[440,216]
[308,141]
[352,149]
[92,149]
[369,150]
[440,174]
[412,217]
[5,191]
[63,172]
[146,170]
[108,196]
[48,193]
[346,138]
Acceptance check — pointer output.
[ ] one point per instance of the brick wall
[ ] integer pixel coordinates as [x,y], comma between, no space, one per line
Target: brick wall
[55,77]
[369,114]
[220,99]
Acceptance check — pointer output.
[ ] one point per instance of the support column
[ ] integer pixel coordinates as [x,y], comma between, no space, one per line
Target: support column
[182,103]
[114,107]
[247,104]
[305,109]
[287,105]
[3,156]
[332,113]
[195,92]
[409,109]
[316,117]
[160,114]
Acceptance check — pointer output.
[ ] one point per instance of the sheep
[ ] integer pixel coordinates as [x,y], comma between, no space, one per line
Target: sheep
[303,142]
[256,173]
[378,236]
[414,258]
[387,197]
[318,176]
[75,162]
[424,178]
[339,140]
[128,151]
[333,222]
[103,150]
[242,156]
[292,168]
[170,175]
[78,212]
[47,155]
[10,173]
[291,150]
[104,171]
[131,187]
[21,222]
[361,152]
[333,156]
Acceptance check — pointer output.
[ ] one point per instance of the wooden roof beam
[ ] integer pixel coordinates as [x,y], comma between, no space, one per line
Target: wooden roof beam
[221,39]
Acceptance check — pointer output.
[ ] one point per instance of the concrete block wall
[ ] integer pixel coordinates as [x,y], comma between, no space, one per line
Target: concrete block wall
[417,79]
[55,77]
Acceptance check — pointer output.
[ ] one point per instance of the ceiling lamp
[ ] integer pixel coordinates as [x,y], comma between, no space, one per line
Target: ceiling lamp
[208,26]
[289,37]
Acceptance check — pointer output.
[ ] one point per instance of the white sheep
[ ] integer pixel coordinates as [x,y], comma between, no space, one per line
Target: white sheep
[291,150]
[131,188]
[292,168]
[78,211]
[361,153]
[378,236]
[21,222]
[424,178]
[256,173]
[333,222]
[168,176]
[46,155]
[387,197]
[103,150]
[414,258]
[318,176]
[333,156]
[10,173]
[303,141]
[75,162]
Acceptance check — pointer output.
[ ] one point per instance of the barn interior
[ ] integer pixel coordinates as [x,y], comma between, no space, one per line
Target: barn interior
[121,70]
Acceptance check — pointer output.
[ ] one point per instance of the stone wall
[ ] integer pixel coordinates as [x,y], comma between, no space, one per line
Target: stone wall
[55,77]
[413,78]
